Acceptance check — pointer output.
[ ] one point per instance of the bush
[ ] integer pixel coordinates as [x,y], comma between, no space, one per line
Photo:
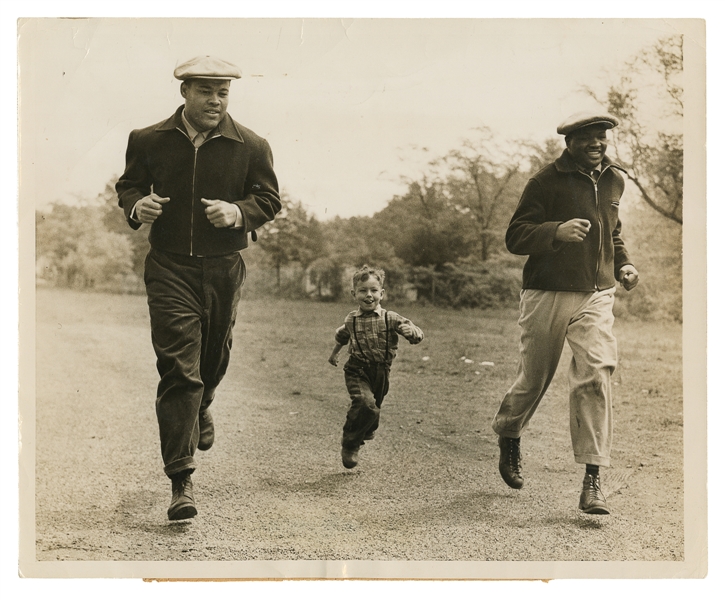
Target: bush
[470,283]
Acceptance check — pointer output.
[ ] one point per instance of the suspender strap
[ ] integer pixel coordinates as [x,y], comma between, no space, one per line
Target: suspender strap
[354,332]
[387,337]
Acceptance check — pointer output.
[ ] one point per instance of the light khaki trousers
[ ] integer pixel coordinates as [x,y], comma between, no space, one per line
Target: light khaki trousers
[585,320]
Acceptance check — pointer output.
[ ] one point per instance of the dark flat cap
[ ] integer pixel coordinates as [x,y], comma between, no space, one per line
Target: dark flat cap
[207,67]
[584,119]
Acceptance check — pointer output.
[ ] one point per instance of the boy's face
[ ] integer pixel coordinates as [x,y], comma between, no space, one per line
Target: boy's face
[368,294]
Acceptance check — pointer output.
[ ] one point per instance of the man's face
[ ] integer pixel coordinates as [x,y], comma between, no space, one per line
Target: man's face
[368,294]
[588,145]
[206,102]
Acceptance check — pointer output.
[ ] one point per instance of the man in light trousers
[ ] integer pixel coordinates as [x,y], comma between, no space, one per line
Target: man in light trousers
[567,223]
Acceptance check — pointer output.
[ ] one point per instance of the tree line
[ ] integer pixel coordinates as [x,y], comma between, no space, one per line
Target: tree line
[441,240]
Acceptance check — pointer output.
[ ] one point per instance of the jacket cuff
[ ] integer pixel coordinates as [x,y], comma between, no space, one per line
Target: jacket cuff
[548,232]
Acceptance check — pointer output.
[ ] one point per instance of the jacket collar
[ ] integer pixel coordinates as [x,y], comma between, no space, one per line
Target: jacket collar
[227,128]
[565,163]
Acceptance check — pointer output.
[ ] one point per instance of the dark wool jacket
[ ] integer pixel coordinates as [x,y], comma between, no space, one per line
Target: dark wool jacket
[558,193]
[233,164]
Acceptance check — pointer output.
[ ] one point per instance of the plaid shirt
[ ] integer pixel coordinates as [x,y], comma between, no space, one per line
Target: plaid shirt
[370,341]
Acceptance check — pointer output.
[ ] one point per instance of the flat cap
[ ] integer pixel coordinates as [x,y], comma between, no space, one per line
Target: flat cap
[584,119]
[207,67]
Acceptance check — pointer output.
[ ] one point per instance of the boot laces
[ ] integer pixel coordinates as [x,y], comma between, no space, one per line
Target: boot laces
[514,456]
[592,487]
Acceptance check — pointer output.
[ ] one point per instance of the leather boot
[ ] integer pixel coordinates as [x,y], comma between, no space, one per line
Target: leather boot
[509,462]
[182,497]
[592,500]
[206,430]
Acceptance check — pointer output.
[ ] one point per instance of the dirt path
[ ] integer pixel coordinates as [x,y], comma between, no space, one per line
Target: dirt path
[273,487]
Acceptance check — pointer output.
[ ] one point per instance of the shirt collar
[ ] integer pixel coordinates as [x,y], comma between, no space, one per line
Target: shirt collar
[591,172]
[227,128]
[378,311]
[190,128]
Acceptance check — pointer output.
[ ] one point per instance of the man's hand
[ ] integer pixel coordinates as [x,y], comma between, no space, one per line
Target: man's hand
[333,360]
[628,277]
[572,231]
[149,208]
[220,213]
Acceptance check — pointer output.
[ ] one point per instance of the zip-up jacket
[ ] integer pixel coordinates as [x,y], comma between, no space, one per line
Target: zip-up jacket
[556,194]
[233,164]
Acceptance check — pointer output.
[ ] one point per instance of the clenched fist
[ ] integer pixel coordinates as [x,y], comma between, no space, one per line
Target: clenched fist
[574,230]
[220,213]
[149,208]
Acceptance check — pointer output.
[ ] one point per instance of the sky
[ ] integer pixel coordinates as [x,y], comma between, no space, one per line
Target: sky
[342,102]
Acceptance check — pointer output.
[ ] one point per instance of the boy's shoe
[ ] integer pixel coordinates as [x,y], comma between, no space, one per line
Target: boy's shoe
[349,457]
[182,497]
[592,500]
[509,462]
[206,430]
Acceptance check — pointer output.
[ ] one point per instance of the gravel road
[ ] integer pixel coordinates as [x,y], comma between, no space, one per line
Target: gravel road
[273,487]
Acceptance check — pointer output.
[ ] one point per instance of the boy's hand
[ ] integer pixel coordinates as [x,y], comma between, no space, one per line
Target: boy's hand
[409,333]
[333,360]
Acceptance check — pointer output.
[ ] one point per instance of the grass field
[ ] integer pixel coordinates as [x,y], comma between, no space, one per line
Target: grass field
[273,487]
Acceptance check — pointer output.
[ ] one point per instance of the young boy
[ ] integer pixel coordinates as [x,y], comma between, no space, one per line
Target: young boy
[372,333]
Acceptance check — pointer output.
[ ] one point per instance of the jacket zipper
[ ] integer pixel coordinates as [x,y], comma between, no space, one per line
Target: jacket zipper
[193,187]
[193,195]
[601,227]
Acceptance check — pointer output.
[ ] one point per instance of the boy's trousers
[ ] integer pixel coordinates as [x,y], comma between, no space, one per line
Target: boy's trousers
[585,320]
[367,384]
[193,305]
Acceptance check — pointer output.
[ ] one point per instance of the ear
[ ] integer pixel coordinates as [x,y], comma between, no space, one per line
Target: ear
[352,293]
[182,89]
[382,293]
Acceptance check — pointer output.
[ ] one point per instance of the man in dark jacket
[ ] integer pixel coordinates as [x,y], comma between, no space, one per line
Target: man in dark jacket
[203,183]
[567,222]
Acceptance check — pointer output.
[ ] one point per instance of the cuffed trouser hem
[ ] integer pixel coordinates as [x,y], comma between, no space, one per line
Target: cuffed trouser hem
[183,464]
[506,433]
[591,459]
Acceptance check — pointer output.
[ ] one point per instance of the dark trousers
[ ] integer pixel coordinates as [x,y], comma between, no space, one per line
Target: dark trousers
[193,306]
[367,385]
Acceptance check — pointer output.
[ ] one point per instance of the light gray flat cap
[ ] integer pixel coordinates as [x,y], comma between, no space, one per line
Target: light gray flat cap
[585,119]
[207,67]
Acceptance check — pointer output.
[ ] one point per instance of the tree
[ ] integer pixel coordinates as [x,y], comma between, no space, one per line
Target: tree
[540,155]
[115,222]
[75,249]
[479,184]
[648,101]
[293,236]
[423,227]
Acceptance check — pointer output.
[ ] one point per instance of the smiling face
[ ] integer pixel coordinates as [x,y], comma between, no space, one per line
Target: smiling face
[206,102]
[368,294]
[587,146]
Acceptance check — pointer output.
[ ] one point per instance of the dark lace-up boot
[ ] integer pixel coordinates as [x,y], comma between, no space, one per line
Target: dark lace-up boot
[349,457]
[182,497]
[206,430]
[509,463]
[592,500]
